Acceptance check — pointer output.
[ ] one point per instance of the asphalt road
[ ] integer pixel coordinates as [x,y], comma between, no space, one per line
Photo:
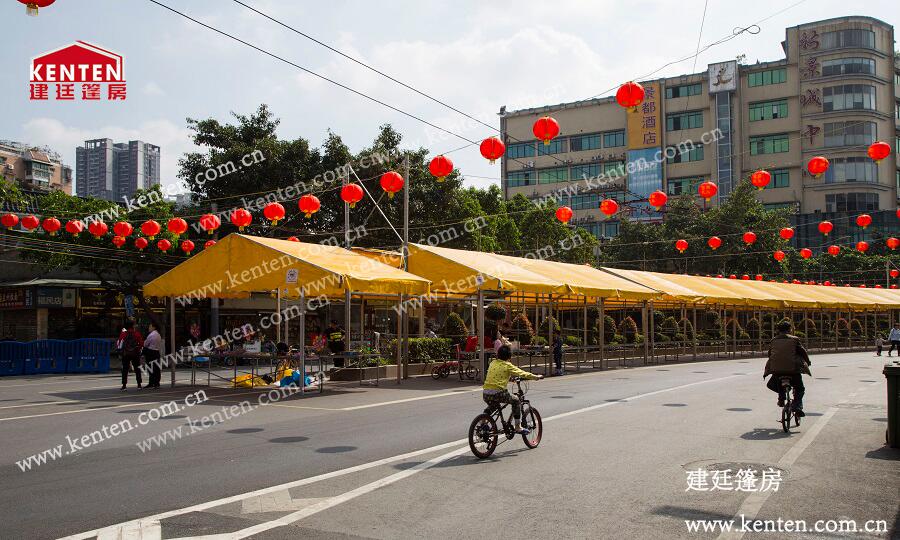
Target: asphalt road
[392,462]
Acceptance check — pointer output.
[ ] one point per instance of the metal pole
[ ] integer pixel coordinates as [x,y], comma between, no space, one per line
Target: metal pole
[644,327]
[278,310]
[214,302]
[652,331]
[584,341]
[602,327]
[405,314]
[171,338]
[694,337]
[347,329]
[550,326]
[302,339]
[399,341]
[481,355]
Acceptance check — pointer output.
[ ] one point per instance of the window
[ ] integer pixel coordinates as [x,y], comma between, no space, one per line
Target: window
[518,179]
[690,120]
[585,202]
[689,153]
[848,96]
[762,78]
[781,178]
[851,169]
[779,206]
[851,202]
[520,150]
[768,110]
[846,66]
[682,186]
[614,169]
[849,133]
[551,176]
[768,144]
[684,90]
[848,38]
[579,172]
[584,142]
[613,138]
[556,146]
[611,229]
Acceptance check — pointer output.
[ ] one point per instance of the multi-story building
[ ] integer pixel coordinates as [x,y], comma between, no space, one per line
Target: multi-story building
[114,171]
[836,91]
[35,169]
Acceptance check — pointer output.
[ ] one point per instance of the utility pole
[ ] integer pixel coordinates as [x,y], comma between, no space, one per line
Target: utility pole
[345,181]
[405,251]
[214,302]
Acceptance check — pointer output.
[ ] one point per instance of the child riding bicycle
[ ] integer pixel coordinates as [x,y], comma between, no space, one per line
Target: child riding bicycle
[498,375]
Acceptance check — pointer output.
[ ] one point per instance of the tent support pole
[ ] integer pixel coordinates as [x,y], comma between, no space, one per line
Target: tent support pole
[278,310]
[695,333]
[399,340]
[171,339]
[347,330]
[481,355]
[734,313]
[652,332]
[602,327]
[584,340]
[302,339]
[644,327]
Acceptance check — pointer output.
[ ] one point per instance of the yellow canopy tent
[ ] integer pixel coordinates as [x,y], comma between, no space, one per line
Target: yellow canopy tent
[239,265]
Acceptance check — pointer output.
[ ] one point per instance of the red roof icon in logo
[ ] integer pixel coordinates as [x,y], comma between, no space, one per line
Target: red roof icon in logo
[78,62]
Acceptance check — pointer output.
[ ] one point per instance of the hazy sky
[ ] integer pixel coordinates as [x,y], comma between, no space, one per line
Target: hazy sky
[476,56]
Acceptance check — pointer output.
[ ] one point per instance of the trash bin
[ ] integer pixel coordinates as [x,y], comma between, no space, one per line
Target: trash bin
[892,374]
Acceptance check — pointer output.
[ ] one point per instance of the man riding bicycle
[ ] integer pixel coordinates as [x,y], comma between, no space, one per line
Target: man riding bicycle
[787,358]
[498,375]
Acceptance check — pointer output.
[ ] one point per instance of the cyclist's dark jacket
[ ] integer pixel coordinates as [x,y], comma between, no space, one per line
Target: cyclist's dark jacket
[787,356]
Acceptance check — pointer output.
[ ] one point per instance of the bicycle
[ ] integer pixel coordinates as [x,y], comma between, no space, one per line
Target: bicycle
[483,432]
[787,411]
[462,368]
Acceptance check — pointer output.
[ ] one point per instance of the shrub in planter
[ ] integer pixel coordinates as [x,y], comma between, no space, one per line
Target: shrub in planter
[639,339]
[617,339]
[609,329]
[426,349]
[545,326]
[661,338]
[495,312]
[669,327]
[455,328]
[522,329]
[686,326]
[754,328]
[800,334]
[729,327]
[538,341]
[841,327]
[681,338]
[572,341]
[809,327]
[628,328]
[856,326]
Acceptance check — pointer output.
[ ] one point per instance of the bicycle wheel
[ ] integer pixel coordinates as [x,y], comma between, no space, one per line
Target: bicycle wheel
[472,373]
[436,372]
[445,371]
[483,436]
[786,417]
[531,419]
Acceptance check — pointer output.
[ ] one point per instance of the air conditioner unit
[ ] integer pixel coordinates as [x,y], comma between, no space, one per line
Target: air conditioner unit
[529,164]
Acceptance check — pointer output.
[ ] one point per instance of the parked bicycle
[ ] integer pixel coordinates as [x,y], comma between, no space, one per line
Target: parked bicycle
[462,368]
[787,412]
[484,431]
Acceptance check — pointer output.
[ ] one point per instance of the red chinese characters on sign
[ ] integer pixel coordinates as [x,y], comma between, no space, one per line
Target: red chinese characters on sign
[93,68]
[810,68]
[809,41]
[811,131]
[811,97]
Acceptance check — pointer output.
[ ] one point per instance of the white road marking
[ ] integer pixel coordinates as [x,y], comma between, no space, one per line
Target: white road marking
[407,400]
[332,501]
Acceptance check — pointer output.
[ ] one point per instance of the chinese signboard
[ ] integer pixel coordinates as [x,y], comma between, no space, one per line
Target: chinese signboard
[54,298]
[15,298]
[99,74]
[643,121]
[723,77]
[645,175]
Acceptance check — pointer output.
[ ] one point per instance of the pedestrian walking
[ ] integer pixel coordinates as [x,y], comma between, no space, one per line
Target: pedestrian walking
[879,345]
[129,346]
[152,357]
[894,338]
[558,354]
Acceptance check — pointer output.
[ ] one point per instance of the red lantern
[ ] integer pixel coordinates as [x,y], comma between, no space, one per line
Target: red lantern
[864,220]
[98,228]
[894,272]
[630,95]
[123,229]
[834,250]
[898,213]
[827,283]
[150,228]
[862,246]
[274,212]
[209,244]
[714,242]
[492,148]
[878,287]
[177,226]
[745,277]
[74,227]
[440,167]
[760,179]
[657,199]
[786,233]
[707,190]
[210,222]
[32,6]
[293,239]
[779,255]
[609,207]
[759,277]
[817,166]
[796,281]
[863,286]
[30,222]
[391,182]
[681,245]
[240,218]
[118,241]
[51,225]
[720,276]
[732,276]
[893,243]
[749,238]
[564,214]
[879,150]
[825,227]
[9,220]
[545,129]
[187,246]
[309,205]
[806,253]
[894,286]
[164,245]
[141,243]
[351,194]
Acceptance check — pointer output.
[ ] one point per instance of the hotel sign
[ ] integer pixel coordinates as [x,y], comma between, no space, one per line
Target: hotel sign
[643,122]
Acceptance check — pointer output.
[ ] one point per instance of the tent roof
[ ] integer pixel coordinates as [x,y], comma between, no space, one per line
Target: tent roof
[239,265]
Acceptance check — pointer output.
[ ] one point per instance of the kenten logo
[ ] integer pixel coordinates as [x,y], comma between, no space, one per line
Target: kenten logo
[94,68]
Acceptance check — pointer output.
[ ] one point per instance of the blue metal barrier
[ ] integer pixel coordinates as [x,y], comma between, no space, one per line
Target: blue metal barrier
[88,356]
[12,357]
[46,356]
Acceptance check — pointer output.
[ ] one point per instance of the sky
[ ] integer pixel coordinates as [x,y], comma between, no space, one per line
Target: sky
[476,56]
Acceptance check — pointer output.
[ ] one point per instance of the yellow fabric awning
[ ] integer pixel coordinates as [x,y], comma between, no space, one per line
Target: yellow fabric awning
[239,265]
